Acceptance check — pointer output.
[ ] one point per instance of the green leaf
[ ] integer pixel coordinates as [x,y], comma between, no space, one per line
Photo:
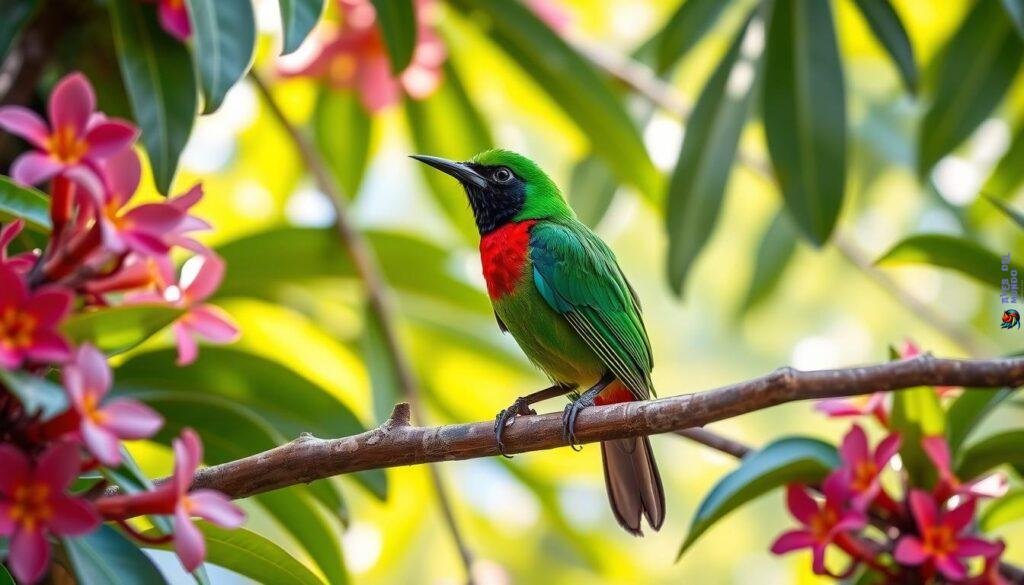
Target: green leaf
[916,414]
[384,379]
[1009,171]
[24,202]
[785,461]
[224,38]
[991,452]
[951,252]
[805,114]
[298,17]
[16,14]
[1007,509]
[976,67]
[1015,10]
[698,183]
[105,557]
[448,124]
[685,28]
[1011,212]
[158,75]
[252,556]
[342,129]
[256,383]
[397,22]
[117,329]
[573,84]
[774,252]
[888,28]
[36,395]
[591,190]
[5,576]
[968,410]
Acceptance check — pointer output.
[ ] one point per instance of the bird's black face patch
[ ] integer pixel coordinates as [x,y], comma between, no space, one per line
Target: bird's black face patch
[499,201]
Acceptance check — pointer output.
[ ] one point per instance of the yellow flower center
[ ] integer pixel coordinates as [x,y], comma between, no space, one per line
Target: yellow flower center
[342,68]
[17,329]
[91,408]
[822,522]
[863,474]
[939,540]
[66,146]
[31,505]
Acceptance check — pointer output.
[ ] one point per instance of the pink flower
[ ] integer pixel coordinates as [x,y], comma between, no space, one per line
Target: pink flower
[76,135]
[355,56]
[940,543]
[994,485]
[103,424]
[34,504]
[173,15]
[861,469]
[22,262]
[28,322]
[202,319]
[873,404]
[823,525]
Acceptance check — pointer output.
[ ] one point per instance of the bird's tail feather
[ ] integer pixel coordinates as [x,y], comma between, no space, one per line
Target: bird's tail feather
[633,482]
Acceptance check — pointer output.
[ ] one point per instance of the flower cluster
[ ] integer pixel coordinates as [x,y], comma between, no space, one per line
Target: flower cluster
[103,250]
[899,530]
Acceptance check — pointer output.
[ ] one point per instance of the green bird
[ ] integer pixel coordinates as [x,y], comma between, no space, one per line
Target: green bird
[558,290]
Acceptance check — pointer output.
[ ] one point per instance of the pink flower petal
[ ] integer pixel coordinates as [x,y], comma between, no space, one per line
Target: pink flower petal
[72,516]
[855,446]
[58,466]
[154,218]
[25,123]
[818,560]
[217,508]
[792,540]
[174,20]
[207,279]
[188,199]
[800,504]
[13,291]
[49,306]
[951,567]
[378,89]
[188,453]
[994,485]
[87,179]
[923,508]
[123,171]
[958,518]
[10,359]
[16,468]
[29,556]
[188,349]
[49,347]
[887,449]
[188,541]
[213,323]
[971,546]
[72,103]
[131,420]
[108,138]
[145,243]
[95,371]
[33,168]
[910,551]
[937,450]
[102,443]
[7,524]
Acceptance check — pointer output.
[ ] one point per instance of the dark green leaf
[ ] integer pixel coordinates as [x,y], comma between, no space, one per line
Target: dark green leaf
[342,129]
[15,14]
[785,461]
[24,202]
[951,252]
[773,254]
[397,22]
[5,576]
[994,450]
[591,190]
[1009,172]
[573,84]
[968,410]
[448,124]
[1007,509]
[888,28]
[698,183]
[975,69]
[107,558]
[298,17]
[157,72]
[805,114]
[252,556]
[1016,215]
[117,329]
[1015,10]
[685,28]
[37,395]
[224,37]
[916,414]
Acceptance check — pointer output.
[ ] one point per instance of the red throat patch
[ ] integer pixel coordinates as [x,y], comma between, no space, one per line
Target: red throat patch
[503,254]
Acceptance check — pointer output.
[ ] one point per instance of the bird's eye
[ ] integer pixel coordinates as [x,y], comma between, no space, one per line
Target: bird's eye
[503,175]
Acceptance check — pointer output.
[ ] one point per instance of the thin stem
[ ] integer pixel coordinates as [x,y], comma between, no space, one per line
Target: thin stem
[378,294]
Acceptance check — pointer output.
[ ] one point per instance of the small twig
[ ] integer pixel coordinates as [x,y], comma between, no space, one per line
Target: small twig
[717,442]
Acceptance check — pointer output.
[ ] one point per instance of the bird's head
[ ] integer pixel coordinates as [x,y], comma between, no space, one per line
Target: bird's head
[504,186]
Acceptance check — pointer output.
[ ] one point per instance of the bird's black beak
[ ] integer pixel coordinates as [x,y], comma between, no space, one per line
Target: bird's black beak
[460,171]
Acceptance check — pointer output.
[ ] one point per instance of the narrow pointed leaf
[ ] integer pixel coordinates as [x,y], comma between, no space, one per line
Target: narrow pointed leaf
[158,75]
[888,29]
[774,252]
[31,205]
[1002,448]
[1009,171]
[976,67]
[685,28]
[591,190]
[944,251]
[384,379]
[805,114]
[1007,509]
[117,329]
[298,17]
[342,129]
[1013,213]
[968,410]
[397,22]
[224,38]
[698,183]
[105,557]
[787,460]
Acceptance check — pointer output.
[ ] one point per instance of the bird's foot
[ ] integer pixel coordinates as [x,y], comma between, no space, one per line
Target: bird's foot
[572,410]
[521,407]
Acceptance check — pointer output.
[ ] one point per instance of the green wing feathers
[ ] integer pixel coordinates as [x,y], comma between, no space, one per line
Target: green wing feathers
[576,273]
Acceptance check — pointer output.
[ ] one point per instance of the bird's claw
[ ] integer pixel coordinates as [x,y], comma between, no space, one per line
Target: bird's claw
[569,415]
[507,415]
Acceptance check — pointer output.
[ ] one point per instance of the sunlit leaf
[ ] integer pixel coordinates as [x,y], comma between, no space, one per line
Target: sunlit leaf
[944,251]
[685,28]
[24,202]
[698,183]
[397,22]
[1015,10]
[342,129]
[224,38]
[298,17]
[16,14]
[157,72]
[774,253]
[1009,171]
[115,330]
[969,409]
[805,114]
[1011,212]
[591,190]
[1002,448]
[105,557]
[36,395]
[974,71]
[1002,511]
[916,414]
[385,381]
[887,27]
[785,461]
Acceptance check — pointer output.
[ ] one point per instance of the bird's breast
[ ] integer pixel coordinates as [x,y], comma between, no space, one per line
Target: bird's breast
[504,255]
